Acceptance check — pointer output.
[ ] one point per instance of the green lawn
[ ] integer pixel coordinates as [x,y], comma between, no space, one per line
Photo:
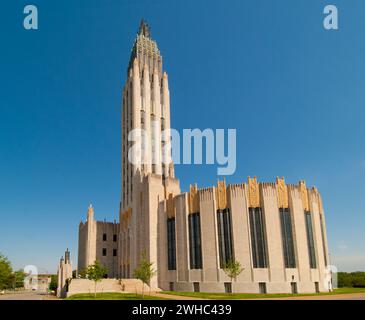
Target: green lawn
[223,296]
[112,296]
[203,295]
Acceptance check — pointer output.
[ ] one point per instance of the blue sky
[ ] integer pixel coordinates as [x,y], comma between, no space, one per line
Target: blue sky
[293,91]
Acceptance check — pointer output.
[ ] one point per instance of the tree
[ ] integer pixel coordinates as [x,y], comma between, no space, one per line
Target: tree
[344,280]
[54,283]
[352,279]
[82,273]
[18,279]
[96,272]
[232,269]
[144,272]
[5,272]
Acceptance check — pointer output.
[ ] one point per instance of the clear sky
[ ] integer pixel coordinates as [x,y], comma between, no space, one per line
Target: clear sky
[293,91]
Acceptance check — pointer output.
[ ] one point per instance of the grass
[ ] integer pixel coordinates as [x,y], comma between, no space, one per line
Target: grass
[112,296]
[204,295]
[226,296]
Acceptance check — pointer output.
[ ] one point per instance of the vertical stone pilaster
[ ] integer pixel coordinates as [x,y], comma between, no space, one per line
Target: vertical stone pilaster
[156,133]
[300,235]
[136,103]
[273,232]
[182,238]
[317,233]
[240,229]
[147,117]
[209,236]
[166,118]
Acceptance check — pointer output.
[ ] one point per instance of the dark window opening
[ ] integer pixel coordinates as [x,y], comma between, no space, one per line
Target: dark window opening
[258,238]
[114,237]
[224,236]
[323,239]
[316,285]
[114,252]
[104,236]
[104,252]
[310,238]
[294,288]
[171,244]
[196,286]
[262,287]
[195,242]
[287,237]
[228,287]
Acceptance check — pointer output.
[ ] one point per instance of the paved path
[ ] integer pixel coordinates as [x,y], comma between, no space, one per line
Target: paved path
[23,296]
[38,296]
[347,296]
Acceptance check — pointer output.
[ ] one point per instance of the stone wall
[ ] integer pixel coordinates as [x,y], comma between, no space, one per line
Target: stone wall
[78,286]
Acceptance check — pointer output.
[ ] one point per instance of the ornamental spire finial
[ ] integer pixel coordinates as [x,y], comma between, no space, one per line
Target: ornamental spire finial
[144,29]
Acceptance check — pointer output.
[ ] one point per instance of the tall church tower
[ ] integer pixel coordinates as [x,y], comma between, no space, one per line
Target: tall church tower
[150,179]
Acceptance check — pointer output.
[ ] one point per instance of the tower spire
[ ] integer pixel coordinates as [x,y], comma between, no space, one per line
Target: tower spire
[146,51]
[144,29]
[90,213]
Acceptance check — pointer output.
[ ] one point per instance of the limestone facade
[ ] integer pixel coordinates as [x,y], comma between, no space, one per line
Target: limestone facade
[275,230]
[98,240]
[64,275]
[276,276]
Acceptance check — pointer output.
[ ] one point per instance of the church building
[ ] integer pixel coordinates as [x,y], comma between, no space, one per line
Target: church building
[276,231]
